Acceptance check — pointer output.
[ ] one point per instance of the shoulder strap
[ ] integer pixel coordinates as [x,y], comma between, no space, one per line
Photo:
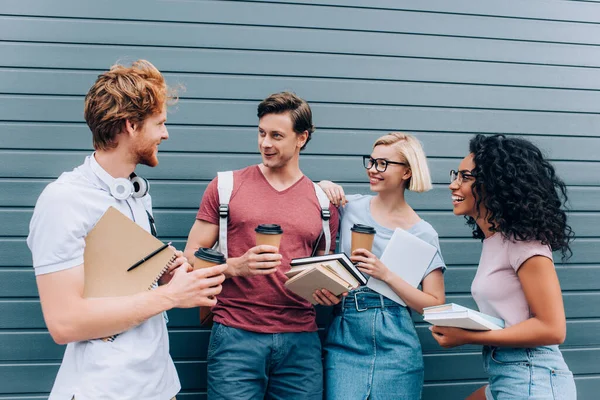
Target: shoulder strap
[325,216]
[225,187]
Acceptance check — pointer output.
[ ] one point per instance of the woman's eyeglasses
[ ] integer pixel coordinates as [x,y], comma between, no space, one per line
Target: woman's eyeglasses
[380,164]
[460,176]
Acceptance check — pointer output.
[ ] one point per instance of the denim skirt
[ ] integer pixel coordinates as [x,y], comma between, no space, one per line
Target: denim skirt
[371,350]
[529,373]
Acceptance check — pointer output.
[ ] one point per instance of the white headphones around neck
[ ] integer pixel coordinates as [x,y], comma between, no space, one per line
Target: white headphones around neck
[135,186]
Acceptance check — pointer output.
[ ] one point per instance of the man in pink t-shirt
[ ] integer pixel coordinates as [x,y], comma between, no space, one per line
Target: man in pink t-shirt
[264,342]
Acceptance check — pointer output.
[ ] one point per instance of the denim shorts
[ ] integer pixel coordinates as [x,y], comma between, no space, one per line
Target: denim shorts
[371,350]
[530,373]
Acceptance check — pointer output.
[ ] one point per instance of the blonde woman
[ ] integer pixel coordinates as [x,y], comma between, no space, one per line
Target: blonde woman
[371,348]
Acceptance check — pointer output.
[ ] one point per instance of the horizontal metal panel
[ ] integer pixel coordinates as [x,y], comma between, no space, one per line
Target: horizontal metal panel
[467,251]
[20,282]
[536,9]
[581,333]
[348,91]
[27,314]
[443,366]
[330,116]
[289,63]
[38,377]
[15,253]
[192,344]
[24,193]
[325,17]
[176,223]
[587,388]
[572,277]
[219,139]
[18,346]
[27,378]
[188,166]
[294,39]
[17,282]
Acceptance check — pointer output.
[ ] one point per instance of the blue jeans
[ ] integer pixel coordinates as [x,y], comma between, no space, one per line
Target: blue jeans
[251,365]
[534,373]
[372,350]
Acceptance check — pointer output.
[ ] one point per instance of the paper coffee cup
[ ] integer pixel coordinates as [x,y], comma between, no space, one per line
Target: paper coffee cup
[362,237]
[268,234]
[205,257]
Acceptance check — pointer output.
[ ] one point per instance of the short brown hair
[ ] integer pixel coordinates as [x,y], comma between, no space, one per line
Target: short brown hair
[124,93]
[300,112]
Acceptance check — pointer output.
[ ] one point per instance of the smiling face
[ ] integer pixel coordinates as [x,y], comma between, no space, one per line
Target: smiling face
[463,200]
[278,143]
[149,135]
[394,177]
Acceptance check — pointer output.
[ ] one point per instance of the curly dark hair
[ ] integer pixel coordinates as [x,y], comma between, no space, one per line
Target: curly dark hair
[521,191]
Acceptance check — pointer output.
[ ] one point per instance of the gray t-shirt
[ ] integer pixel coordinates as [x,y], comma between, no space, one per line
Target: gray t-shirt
[358,211]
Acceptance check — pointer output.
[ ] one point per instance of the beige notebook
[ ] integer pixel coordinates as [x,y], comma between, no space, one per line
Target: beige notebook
[306,282]
[115,244]
[332,265]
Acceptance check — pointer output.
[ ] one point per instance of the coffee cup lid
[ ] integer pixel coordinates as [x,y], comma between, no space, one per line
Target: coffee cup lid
[269,229]
[210,255]
[360,228]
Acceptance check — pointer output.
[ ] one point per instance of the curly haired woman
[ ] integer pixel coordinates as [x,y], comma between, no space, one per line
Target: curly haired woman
[512,198]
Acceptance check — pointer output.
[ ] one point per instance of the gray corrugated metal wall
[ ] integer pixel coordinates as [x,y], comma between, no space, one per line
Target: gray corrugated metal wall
[443,70]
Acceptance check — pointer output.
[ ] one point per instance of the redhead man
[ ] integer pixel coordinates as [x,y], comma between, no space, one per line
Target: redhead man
[126,111]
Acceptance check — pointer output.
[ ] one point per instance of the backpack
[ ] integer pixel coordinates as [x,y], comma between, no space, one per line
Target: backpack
[225,188]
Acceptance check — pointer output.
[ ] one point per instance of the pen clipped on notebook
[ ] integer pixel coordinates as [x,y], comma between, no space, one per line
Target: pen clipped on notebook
[149,256]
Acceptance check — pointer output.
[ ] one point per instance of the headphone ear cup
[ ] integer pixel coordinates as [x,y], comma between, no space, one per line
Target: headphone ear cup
[141,186]
[121,189]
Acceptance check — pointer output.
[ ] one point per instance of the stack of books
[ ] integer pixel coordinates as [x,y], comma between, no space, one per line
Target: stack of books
[457,316]
[334,272]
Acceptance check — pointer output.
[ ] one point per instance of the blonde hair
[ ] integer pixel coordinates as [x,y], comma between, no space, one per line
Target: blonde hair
[411,152]
[124,93]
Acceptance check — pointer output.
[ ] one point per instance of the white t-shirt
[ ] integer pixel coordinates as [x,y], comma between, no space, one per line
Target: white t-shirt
[137,364]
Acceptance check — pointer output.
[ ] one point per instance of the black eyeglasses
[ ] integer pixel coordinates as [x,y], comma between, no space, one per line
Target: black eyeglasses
[380,164]
[460,176]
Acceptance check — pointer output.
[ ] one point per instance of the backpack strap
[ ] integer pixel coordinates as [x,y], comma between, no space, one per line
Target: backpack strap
[325,216]
[225,187]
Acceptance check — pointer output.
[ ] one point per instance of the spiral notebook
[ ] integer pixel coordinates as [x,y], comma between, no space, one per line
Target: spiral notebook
[113,246]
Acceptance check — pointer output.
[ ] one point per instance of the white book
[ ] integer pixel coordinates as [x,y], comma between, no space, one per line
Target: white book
[408,257]
[457,316]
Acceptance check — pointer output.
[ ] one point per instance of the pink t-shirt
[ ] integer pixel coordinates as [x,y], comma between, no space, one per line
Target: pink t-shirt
[262,303]
[496,287]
